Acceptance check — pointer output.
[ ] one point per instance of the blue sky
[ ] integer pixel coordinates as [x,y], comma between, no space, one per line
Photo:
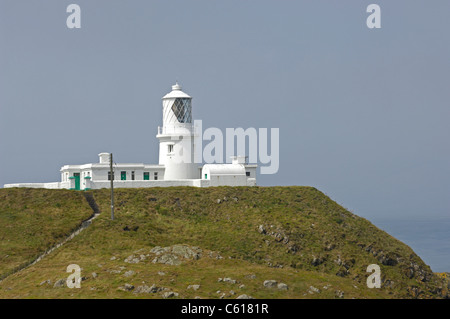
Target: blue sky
[363,114]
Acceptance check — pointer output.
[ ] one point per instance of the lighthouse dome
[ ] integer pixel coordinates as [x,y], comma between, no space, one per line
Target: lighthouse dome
[176,93]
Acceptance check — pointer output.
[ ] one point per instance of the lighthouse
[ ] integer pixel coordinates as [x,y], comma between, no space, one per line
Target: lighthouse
[176,136]
[177,144]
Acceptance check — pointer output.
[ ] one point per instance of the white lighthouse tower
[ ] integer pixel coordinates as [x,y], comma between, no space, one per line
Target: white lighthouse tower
[176,136]
[176,167]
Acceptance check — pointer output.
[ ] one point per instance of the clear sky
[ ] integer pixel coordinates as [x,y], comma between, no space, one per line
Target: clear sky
[363,113]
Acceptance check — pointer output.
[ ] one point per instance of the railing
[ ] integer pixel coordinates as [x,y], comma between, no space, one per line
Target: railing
[176,129]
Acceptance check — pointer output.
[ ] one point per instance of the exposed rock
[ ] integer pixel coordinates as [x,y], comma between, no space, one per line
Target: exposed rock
[187,252]
[126,287]
[313,290]
[171,255]
[115,271]
[214,255]
[270,283]
[316,261]
[282,286]
[229,280]
[129,273]
[147,289]
[415,291]
[113,258]
[388,284]
[278,237]
[232,292]
[194,287]
[410,273]
[48,282]
[261,229]
[241,286]
[389,259]
[251,276]
[244,296]
[60,283]
[339,294]
[293,248]
[168,259]
[142,289]
[161,273]
[169,294]
[94,275]
[342,272]
[134,259]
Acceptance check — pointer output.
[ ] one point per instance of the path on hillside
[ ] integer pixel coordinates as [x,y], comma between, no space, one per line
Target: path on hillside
[84,224]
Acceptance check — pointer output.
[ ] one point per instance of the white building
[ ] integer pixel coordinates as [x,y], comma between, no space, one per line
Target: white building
[176,134]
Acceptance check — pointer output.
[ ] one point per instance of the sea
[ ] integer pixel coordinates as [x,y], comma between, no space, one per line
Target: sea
[429,238]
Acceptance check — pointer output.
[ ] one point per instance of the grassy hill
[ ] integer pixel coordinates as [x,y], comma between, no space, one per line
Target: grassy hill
[32,221]
[166,241]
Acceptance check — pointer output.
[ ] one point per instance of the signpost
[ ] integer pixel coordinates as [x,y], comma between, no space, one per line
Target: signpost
[112,184]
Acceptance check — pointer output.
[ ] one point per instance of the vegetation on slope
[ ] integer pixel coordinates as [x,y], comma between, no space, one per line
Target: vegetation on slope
[33,220]
[295,235]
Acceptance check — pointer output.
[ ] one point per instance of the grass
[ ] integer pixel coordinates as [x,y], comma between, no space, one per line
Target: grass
[307,240]
[34,220]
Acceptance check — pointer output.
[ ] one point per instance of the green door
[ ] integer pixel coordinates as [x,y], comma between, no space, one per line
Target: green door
[123,176]
[77,181]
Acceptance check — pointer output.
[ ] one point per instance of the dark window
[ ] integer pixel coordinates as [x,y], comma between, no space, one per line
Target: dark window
[247,174]
[146,176]
[109,176]
[182,110]
[132,175]
[156,176]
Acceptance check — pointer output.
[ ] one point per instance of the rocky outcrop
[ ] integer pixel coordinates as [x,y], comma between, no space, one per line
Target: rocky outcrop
[275,284]
[173,255]
[146,289]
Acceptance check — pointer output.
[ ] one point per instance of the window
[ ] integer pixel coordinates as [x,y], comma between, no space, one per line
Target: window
[182,110]
[109,176]
[170,148]
[247,174]
[146,176]
[156,176]
[123,176]
[206,176]
[132,175]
